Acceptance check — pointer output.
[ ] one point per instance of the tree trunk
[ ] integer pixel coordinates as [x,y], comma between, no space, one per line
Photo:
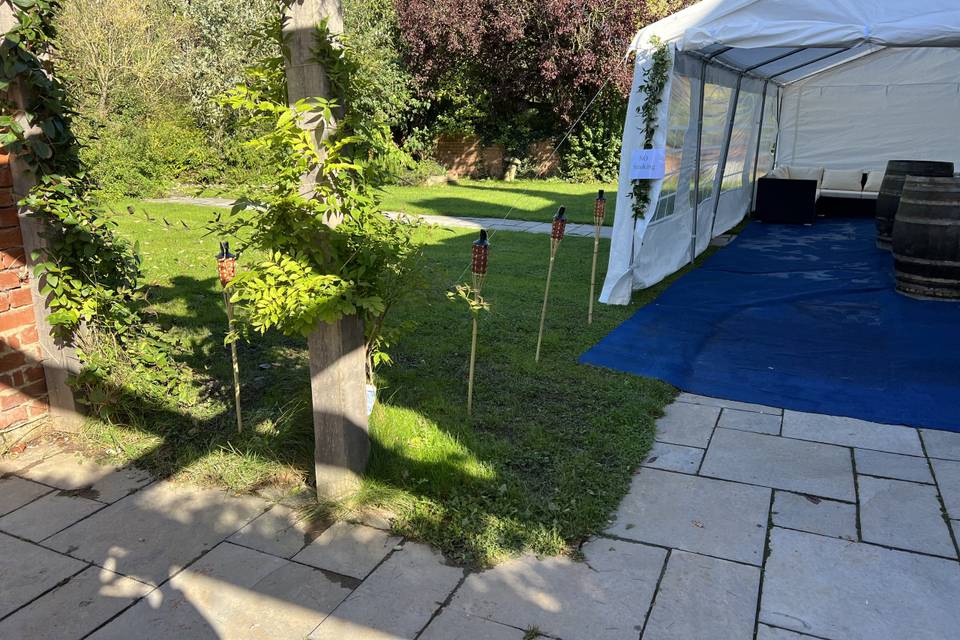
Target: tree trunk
[337,351]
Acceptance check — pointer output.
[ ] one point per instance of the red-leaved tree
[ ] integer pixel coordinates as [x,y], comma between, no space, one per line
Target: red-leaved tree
[551,54]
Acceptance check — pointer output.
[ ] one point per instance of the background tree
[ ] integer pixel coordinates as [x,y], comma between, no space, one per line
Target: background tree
[528,66]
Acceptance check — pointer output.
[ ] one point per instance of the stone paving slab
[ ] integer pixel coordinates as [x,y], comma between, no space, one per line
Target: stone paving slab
[693,398]
[16,492]
[47,515]
[674,457]
[905,515]
[893,465]
[453,624]
[703,597]
[75,608]
[348,549]
[750,421]
[850,432]
[157,531]
[281,531]
[232,592]
[606,597]
[19,463]
[702,515]
[815,515]
[852,591]
[782,463]
[766,632]
[941,444]
[27,570]
[687,424]
[397,600]
[947,473]
[106,483]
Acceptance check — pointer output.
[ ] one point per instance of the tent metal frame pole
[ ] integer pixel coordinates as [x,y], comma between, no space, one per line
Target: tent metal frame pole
[776,59]
[809,62]
[722,167]
[696,175]
[756,154]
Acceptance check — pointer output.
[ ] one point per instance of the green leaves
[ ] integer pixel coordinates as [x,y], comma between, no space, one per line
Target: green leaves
[332,253]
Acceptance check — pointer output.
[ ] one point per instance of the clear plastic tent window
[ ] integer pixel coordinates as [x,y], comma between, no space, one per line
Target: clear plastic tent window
[848,85]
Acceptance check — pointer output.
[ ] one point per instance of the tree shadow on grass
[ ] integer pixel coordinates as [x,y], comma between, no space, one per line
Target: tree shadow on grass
[476,199]
[542,462]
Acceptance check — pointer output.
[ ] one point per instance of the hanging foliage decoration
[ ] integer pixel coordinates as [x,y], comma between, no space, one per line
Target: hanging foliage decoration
[654,82]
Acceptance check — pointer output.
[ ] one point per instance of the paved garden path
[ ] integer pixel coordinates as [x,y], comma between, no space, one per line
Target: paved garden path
[744,522]
[499,224]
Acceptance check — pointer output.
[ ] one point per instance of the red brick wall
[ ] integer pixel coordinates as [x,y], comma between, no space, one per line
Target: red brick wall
[465,156]
[23,388]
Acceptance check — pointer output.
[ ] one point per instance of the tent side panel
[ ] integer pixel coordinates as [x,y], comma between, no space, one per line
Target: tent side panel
[891,105]
[628,232]
[665,246]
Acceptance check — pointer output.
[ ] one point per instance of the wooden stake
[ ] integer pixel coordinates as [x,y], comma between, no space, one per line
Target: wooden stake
[546,295]
[479,256]
[598,214]
[236,362]
[556,235]
[593,274]
[473,360]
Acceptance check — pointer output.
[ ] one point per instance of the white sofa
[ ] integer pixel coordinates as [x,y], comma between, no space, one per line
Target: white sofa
[835,183]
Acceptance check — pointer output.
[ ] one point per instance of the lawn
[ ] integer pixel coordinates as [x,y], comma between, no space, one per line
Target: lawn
[521,200]
[546,457]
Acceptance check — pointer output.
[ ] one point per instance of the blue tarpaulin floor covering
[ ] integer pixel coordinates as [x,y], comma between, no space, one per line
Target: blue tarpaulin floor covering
[803,318]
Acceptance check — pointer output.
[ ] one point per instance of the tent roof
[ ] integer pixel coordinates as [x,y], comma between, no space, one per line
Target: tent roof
[787,40]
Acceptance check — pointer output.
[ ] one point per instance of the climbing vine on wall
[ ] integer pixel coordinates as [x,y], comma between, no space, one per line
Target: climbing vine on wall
[88,274]
[654,82]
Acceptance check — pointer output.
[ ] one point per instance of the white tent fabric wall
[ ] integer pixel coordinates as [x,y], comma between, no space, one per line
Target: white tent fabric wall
[878,107]
[828,62]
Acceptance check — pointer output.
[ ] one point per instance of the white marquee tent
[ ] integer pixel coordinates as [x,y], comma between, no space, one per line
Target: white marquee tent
[845,84]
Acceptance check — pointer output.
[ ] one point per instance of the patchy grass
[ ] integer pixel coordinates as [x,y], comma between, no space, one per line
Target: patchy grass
[529,199]
[546,457]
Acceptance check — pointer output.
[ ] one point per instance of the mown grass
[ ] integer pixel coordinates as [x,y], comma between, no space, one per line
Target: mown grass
[546,457]
[520,200]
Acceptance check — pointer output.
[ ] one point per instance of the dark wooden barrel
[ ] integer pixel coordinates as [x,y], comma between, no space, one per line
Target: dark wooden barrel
[889,197]
[926,238]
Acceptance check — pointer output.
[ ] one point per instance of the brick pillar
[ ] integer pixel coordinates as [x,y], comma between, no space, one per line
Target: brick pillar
[23,387]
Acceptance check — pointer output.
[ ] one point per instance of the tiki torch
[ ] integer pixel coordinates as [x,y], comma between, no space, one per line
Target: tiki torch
[227,268]
[599,211]
[481,253]
[556,235]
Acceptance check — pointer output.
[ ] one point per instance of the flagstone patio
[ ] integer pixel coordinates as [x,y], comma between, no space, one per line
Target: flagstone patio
[744,522]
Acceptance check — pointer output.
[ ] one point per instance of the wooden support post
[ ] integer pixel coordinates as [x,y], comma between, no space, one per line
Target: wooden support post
[336,351]
[59,360]
[338,387]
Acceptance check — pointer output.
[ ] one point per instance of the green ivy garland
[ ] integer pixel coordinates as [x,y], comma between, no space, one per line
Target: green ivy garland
[654,82]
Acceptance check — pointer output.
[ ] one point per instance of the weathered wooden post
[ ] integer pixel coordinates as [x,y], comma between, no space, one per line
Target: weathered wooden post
[337,351]
[59,360]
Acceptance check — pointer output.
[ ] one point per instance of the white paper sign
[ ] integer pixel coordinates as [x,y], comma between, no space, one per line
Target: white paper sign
[647,164]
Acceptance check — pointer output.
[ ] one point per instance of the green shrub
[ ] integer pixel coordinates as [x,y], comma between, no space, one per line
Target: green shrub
[592,152]
[144,157]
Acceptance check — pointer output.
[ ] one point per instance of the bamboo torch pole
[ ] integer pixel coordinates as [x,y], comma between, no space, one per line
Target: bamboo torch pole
[556,235]
[481,253]
[227,268]
[599,211]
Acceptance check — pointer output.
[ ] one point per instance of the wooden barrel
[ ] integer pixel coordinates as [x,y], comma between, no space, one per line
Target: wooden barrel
[926,238]
[889,197]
